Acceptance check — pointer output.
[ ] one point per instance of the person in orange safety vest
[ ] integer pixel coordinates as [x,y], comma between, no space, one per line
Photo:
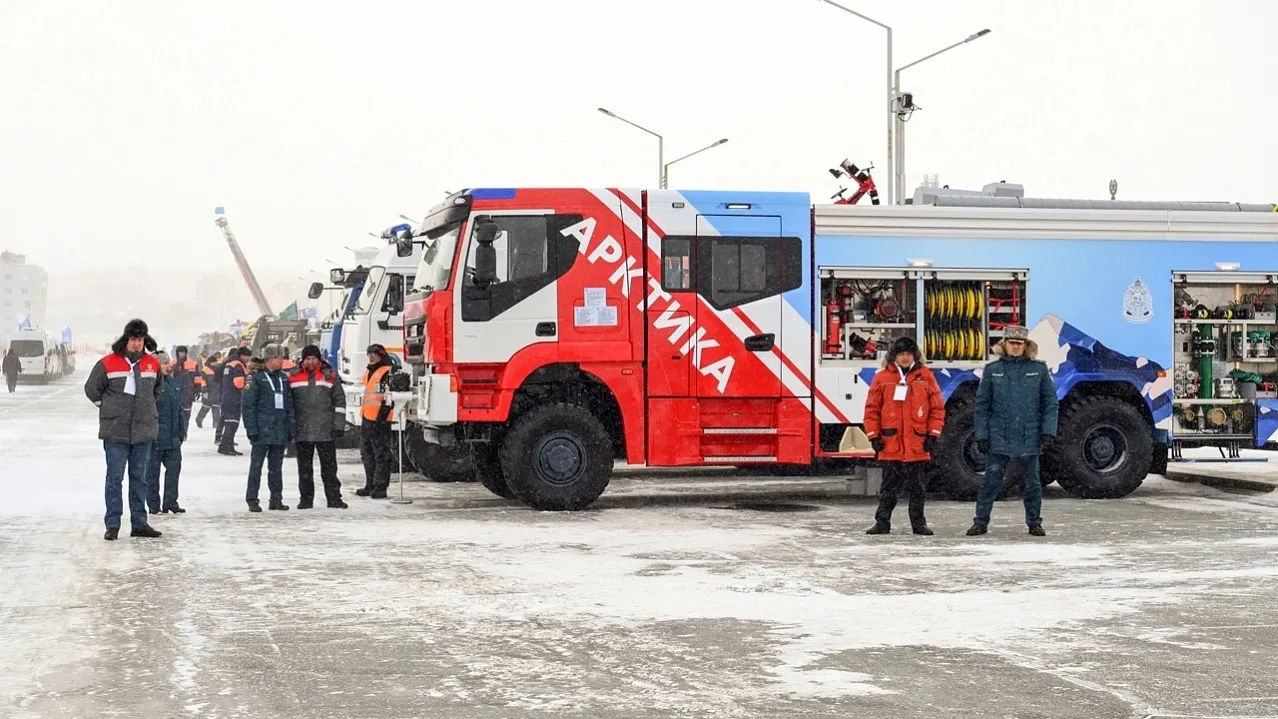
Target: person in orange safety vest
[377,436]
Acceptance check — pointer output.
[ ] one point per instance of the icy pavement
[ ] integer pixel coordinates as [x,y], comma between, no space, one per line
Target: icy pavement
[671,597]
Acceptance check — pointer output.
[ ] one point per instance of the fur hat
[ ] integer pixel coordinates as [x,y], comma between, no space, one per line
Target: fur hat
[272,352]
[134,328]
[162,356]
[904,344]
[182,350]
[1014,333]
[311,351]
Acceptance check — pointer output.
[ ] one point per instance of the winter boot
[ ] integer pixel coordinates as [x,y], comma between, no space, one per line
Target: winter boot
[880,528]
[1037,530]
[255,507]
[174,509]
[364,491]
[924,530]
[154,510]
[278,505]
[145,530]
[111,534]
[977,528]
[378,494]
[339,504]
[230,452]
[305,504]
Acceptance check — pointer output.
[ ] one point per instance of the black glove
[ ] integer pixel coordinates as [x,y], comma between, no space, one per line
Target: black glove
[339,431]
[877,444]
[252,439]
[983,445]
[929,445]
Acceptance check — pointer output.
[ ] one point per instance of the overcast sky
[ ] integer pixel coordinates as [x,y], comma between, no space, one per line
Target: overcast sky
[123,123]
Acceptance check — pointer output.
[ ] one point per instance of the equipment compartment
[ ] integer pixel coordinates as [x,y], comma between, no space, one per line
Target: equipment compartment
[1223,355]
[964,311]
[863,310]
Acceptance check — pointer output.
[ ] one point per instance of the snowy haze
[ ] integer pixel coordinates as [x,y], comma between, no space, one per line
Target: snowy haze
[125,123]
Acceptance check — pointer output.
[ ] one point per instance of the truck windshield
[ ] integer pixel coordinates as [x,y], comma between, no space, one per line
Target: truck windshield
[369,293]
[437,262]
[28,348]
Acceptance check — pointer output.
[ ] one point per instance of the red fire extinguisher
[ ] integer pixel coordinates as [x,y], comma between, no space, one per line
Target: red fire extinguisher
[833,326]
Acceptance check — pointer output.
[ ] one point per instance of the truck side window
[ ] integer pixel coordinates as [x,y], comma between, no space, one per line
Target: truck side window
[734,271]
[532,253]
[676,264]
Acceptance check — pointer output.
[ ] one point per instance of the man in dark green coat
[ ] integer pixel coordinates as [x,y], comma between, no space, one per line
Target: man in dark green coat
[1016,409]
[167,450]
[268,420]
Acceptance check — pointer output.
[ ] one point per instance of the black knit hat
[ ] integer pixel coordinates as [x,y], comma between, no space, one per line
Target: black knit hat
[311,351]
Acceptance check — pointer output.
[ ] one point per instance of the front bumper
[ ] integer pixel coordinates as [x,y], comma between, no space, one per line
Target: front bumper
[435,402]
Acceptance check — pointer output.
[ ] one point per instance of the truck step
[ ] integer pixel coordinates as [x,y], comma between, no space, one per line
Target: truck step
[738,430]
[738,459]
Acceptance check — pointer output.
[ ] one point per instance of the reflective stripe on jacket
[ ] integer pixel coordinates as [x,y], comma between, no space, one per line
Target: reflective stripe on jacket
[319,404]
[122,417]
[375,398]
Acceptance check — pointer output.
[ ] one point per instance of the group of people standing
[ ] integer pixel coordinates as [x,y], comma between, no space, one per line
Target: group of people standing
[145,402]
[1016,412]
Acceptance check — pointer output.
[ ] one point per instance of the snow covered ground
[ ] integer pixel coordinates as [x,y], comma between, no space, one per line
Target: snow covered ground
[671,597]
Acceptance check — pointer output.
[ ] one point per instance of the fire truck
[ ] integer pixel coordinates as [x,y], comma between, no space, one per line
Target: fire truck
[555,331]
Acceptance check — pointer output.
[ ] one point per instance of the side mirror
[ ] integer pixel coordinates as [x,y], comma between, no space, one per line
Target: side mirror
[485,231]
[317,289]
[403,247]
[337,276]
[395,295]
[485,265]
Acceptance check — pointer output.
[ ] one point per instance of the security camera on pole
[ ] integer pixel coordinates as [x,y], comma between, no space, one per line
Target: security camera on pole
[903,108]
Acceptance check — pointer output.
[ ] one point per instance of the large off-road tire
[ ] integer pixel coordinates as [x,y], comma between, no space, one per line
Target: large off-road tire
[958,469]
[486,464]
[557,457]
[1103,449]
[435,462]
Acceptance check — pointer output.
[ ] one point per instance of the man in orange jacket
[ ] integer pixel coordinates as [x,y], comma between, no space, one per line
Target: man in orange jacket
[904,416]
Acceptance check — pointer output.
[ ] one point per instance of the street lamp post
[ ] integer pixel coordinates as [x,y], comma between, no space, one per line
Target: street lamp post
[662,165]
[891,93]
[661,142]
[665,169]
[898,112]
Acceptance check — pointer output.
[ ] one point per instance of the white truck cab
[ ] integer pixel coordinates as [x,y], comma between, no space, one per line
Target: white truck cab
[377,318]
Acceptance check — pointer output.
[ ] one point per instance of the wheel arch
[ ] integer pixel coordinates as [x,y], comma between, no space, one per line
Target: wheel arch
[571,383]
[1118,389]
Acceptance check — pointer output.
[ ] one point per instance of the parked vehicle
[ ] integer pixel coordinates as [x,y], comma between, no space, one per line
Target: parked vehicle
[556,330]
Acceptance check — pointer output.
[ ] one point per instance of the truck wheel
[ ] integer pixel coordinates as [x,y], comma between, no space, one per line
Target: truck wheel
[958,469]
[557,457]
[437,463]
[1103,450]
[486,465]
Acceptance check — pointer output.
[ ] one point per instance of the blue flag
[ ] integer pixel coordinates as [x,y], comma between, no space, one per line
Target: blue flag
[66,335]
[219,210]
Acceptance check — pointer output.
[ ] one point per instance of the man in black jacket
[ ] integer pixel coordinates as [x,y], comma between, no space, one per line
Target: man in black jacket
[319,419]
[125,386]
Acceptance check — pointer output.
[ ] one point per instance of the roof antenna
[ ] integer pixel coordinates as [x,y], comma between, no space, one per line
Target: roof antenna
[1113,189]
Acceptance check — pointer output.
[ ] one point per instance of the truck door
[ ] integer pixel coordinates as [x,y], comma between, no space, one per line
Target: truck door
[521,308]
[739,265]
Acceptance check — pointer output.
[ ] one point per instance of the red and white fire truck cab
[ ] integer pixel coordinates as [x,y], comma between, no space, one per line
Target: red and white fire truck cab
[557,330]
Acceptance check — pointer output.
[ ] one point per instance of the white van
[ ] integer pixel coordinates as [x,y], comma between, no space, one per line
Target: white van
[37,353]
